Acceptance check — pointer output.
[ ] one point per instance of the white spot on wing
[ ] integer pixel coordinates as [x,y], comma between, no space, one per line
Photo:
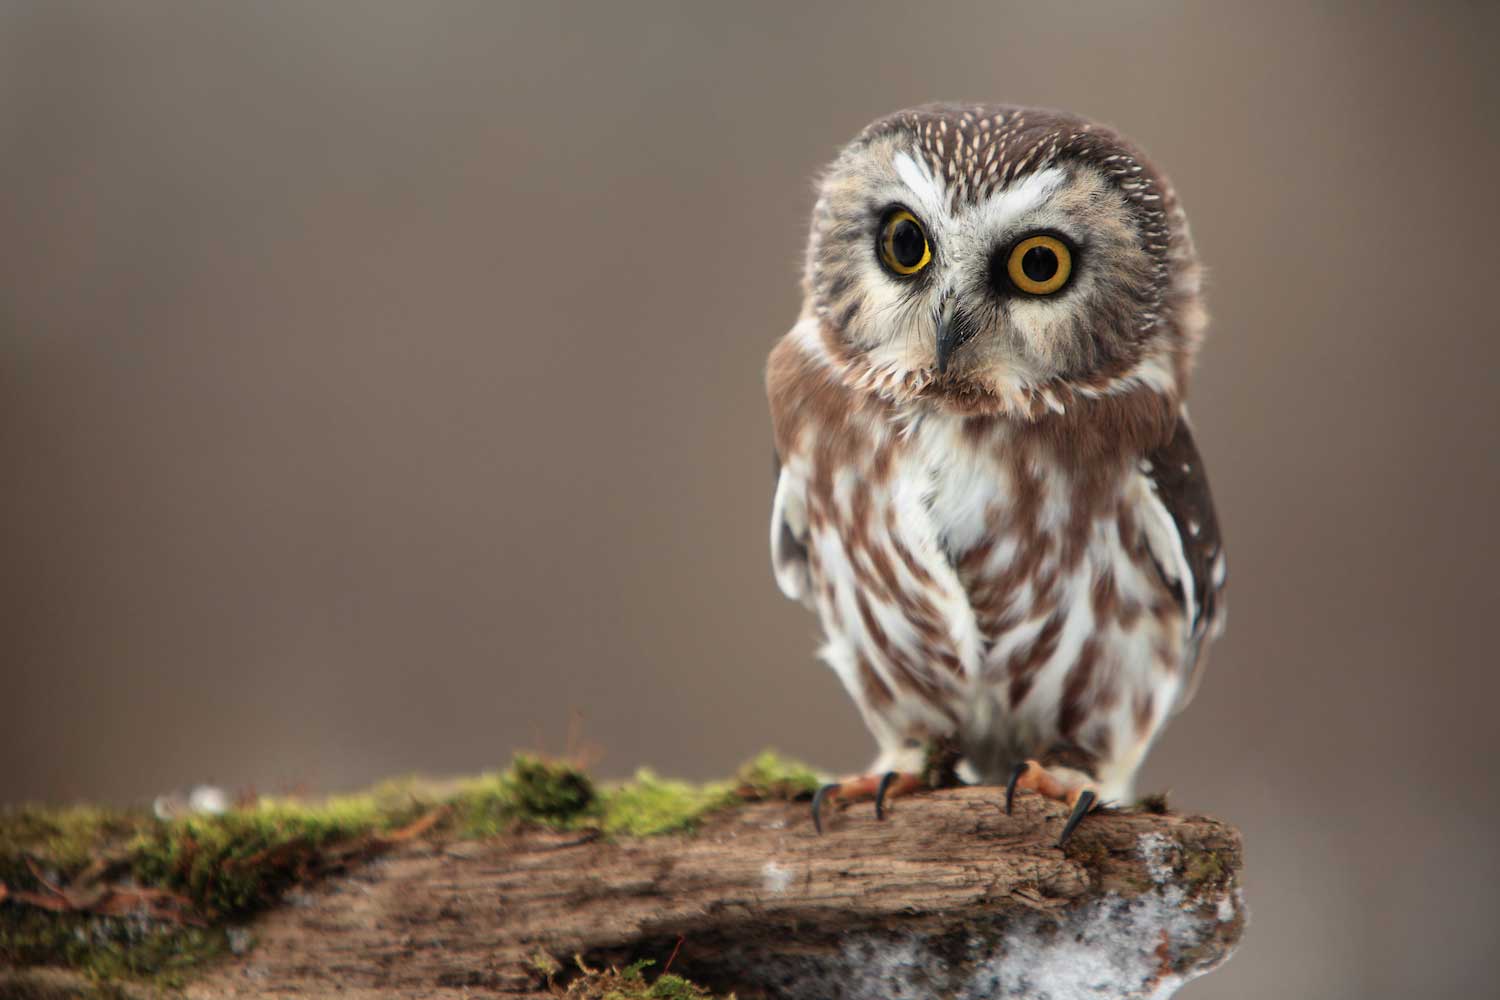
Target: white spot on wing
[788,532]
[1165,543]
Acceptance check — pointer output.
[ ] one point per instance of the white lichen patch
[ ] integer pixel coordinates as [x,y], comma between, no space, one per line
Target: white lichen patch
[775,879]
[1226,909]
[1158,853]
[240,940]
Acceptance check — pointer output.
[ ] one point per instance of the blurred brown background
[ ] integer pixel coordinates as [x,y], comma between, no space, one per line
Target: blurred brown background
[382,382]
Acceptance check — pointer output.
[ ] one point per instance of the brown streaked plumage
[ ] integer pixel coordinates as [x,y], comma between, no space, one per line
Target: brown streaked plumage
[988,489]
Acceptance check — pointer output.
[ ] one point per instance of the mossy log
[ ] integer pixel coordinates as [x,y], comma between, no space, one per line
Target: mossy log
[948,897]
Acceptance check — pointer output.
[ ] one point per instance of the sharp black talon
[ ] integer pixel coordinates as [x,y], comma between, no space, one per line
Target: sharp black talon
[817,805]
[1010,786]
[885,782]
[1080,809]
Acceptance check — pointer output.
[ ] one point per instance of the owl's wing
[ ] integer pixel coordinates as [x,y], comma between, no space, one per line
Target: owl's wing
[789,535]
[1182,534]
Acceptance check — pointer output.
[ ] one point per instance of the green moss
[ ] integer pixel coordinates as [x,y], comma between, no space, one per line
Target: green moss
[534,790]
[544,965]
[85,844]
[650,805]
[557,795]
[225,867]
[1204,869]
[631,983]
[411,795]
[236,863]
[548,790]
[771,776]
[106,948]
[60,841]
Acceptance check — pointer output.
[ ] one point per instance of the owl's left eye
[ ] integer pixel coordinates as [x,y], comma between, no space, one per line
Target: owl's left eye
[903,244]
[1039,264]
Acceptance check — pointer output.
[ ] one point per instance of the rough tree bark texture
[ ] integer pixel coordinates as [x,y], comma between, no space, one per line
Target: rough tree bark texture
[946,898]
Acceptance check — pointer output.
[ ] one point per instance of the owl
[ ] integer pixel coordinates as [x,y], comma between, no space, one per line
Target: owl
[987,486]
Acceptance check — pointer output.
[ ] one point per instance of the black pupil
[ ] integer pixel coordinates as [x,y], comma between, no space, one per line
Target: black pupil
[1039,264]
[907,243]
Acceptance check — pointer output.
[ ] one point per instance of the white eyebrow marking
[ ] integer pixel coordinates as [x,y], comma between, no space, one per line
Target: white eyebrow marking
[1015,201]
[915,177]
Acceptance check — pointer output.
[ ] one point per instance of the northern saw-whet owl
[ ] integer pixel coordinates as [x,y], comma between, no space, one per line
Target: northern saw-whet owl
[988,490]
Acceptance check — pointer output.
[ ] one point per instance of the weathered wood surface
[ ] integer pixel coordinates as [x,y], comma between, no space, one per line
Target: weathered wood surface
[946,898]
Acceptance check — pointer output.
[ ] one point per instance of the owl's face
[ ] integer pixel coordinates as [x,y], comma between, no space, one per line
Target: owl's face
[975,254]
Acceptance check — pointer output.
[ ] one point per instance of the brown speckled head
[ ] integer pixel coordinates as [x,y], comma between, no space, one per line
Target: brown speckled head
[1003,260]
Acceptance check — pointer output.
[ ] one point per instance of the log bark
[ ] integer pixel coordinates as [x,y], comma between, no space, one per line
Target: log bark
[948,897]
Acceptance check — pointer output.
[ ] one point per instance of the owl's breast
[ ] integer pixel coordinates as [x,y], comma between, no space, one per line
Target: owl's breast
[1081,642]
[969,579]
[1041,595]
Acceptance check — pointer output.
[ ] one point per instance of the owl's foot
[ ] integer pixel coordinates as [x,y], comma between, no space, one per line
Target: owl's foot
[879,787]
[1072,788]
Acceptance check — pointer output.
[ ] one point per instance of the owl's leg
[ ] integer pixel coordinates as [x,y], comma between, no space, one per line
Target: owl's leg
[1061,783]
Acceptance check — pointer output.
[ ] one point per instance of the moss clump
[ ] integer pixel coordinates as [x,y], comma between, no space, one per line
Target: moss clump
[645,806]
[534,790]
[771,776]
[649,805]
[42,850]
[223,867]
[557,795]
[61,842]
[236,863]
[630,983]
[550,790]
[1204,869]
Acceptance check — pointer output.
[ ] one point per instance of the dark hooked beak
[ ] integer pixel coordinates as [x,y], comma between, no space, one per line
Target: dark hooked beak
[954,330]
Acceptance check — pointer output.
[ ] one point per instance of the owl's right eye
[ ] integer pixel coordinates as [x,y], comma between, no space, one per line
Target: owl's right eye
[903,244]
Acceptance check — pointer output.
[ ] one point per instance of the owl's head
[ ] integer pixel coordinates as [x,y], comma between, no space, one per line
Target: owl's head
[1002,260]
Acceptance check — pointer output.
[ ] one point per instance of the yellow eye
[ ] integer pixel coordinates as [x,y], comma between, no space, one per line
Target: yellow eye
[1039,265]
[903,243]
